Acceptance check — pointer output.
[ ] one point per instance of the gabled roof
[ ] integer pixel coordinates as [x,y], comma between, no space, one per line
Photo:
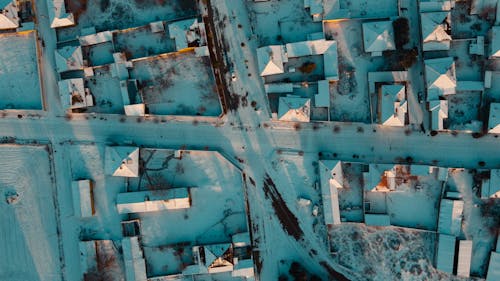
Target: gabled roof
[494,118]
[72,93]
[331,177]
[433,28]
[378,36]
[495,41]
[309,48]
[393,105]
[334,171]
[8,15]
[439,112]
[294,109]
[270,60]
[122,161]
[57,14]
[214,255]
[69,58]
[440,77]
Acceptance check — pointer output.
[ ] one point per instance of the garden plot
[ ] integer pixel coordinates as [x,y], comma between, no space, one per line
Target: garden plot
[463,111]
[278,22]
[217,200]
[28,225]
[387,253]
[99,54]
[106,91]
[466,26]
[351,194]
[118,14]
[349,96]
[142,42]
[19,77]
[369,8]
[177,84]
[468,67]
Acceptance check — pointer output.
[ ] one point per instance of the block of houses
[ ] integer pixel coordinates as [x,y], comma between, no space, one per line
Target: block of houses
[121,161]
[464,258]
[215,258]
[435,27]
[74,95]
[83,198]
[69,58]
[494,118]
[135,265]
[331,179]
[450,217]
[440,77]
[9,18]
[378,36]
[393,109]
[296,109]
[153,200]
[445,253]
[58,16]
[439,114]
[270,60]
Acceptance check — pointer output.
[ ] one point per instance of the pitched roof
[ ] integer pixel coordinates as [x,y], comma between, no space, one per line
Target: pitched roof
[433,28]
[8,15]
[495,41]
[270,60]
[72,93]
[57,14]
[439,112]
[69,58]
[122,161]
[294,109]
[440,77]
[378,36]
[393,105]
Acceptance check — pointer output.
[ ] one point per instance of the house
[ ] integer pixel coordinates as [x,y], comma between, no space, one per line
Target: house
[331,179]
[9,14]
[378,36]
[326,48]
[135,265]
[74,95]
[88,257]
[393,105]
[450,217]
[95,38]
[153,200]
[58,16]
[322,99]
[121,161]
[494,118]
[380,178]
[187,33]
[83,198]
[214,258]
[435,28]
[296,109]
[439,114]
[436,5]
[440,77]
[445,253]
[495,42]
[491,187]
[270,60]
[464,258]
[69,58]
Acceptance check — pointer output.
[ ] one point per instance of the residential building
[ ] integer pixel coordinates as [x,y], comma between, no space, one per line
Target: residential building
[153,200]
[435,28]
[83,198]
[296,109]
[378,36]
[121,161]
[440,77]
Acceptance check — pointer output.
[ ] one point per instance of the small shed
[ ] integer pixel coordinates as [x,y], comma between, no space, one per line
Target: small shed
[83,198]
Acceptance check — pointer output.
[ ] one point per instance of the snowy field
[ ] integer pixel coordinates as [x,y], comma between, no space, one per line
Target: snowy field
[463,111]
[177,84]
[141,42]
[19,78]
[106,91]
[28,229]
[120,14]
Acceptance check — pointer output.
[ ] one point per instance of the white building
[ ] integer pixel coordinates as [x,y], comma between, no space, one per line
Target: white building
[83,199]
[440,77]
[378,36]
[439,113]
[450,217]
[494,118]
[270,60]
[153,200]
[135,265]
[445,253]
[8,14]
[69,58]
[121,161]
[57,14]
[296,109]
[464,258]
[74,95]
[434,35]
[331,179]
[393,105]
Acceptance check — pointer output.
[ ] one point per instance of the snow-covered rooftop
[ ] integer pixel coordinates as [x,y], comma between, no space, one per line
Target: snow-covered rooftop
[135,265]
[494,267]
[491,189]
[83,201]
[72,93]
[378,36]
[97,38]
[494,118]
[57,14]
[322,99]
[8,14]
[69,58]
[331,178]
[122,161]
[393,105]
[440,77]
[464,258]
[153,200]
[294,109]
[445,253]
[270,60]
[450,217]
[434,35]
[495,42]
[439,112]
